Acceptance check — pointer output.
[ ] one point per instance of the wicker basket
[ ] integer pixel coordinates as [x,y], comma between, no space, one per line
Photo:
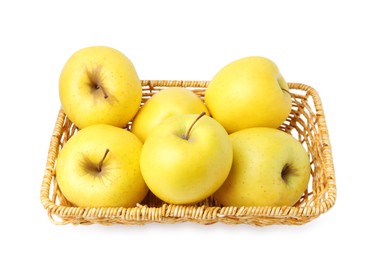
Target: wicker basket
[306,122]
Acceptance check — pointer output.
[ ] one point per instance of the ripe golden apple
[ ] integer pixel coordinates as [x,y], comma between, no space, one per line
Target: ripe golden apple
[249,92]
[165,103]
[99,167]
[99,85]
[270,168]
[186,158]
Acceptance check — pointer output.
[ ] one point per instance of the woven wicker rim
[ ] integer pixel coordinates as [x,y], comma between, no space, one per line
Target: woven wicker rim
[203,214]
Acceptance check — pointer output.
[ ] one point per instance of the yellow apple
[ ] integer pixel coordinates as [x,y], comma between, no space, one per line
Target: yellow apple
[99,167]
[249,92]
[165,103]
[186,158]
[270,168]
[99,85]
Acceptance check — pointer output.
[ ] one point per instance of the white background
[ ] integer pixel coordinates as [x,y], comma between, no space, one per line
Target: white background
[329,45]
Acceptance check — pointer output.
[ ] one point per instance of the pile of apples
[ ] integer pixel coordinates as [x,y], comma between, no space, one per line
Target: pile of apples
[180,147]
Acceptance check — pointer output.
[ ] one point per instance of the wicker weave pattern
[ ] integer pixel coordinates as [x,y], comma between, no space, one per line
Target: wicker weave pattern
[306,122]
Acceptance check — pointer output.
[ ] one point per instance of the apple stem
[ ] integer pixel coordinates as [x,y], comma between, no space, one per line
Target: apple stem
[103,90]
[285,90]
[186,135]
[96,80]
[101,162]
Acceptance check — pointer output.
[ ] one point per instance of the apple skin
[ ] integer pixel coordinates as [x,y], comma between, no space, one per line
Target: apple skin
[119,183]
[248,93]
[181,171]
[255,179]
[165,103]
[99,85]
